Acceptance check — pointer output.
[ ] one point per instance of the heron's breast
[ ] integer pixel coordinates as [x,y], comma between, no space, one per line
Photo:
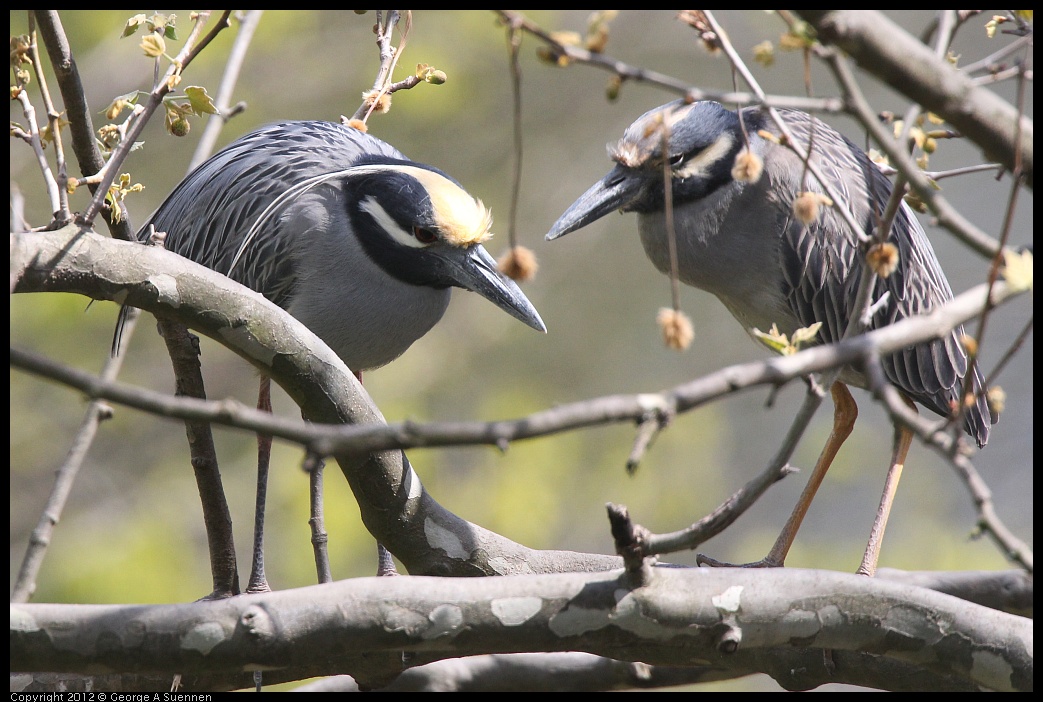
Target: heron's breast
[369,327]
[723,249]
[368,317]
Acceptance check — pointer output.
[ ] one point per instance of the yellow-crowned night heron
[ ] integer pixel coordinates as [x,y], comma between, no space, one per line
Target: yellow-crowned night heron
[740,240]
[343,231]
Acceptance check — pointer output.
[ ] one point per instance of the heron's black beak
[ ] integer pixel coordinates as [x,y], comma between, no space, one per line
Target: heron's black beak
[616,191]
[475,270]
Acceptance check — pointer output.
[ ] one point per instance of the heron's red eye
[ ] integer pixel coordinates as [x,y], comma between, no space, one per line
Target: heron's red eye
[424,236]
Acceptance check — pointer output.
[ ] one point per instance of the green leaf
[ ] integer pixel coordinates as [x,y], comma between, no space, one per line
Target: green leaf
[201,102]
[132,25]
[774,340]
[787,345]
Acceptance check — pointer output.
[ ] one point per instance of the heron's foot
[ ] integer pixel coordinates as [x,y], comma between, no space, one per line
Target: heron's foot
[868,571]
[766,562]
[217,595]
[385,563]
[257,587]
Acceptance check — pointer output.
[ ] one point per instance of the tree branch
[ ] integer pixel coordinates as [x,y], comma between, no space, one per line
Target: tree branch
[395,507]
[883,48]
[678,617]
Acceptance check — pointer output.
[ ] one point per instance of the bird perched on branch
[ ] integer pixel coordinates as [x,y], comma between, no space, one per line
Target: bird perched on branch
[737,190]
[342,230]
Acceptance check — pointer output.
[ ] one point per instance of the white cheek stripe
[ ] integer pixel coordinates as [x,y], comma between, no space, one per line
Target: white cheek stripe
[699,164]
[389,224]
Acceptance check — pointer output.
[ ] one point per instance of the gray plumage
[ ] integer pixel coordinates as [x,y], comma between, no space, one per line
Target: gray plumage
[742,242]
[356,241]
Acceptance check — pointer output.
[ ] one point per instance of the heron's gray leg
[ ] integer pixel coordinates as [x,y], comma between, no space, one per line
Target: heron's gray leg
[258,582]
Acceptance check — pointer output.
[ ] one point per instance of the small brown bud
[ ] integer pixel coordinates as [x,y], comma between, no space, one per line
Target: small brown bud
[698,21]
[883,258]
[748,167]
[768,136]
[519,263]
[676,327]
[805,207]
[970,344]
[358,124]
[382,101]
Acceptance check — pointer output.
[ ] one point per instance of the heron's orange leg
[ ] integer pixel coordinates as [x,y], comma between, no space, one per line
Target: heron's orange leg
[903,440]
[845,412]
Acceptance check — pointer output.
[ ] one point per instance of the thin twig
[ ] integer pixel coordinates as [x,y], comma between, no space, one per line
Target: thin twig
[626,71]
[514,42]
[61,213]
[229,78]
[325,440]
[65,478]
[155,99]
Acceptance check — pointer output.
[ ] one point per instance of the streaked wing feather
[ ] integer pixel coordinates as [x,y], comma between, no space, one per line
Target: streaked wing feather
[210,214]
[823,264]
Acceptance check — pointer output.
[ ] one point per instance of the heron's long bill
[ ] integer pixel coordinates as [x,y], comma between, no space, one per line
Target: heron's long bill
[476,270]
[613,192]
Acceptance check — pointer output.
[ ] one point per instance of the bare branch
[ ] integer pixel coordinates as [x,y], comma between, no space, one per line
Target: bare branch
[887,51]
[626,71]
[67,276]
[676,617]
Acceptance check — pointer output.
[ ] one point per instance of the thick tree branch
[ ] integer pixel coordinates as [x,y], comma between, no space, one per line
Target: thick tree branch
[395,507]
[883,48]
[678,617]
